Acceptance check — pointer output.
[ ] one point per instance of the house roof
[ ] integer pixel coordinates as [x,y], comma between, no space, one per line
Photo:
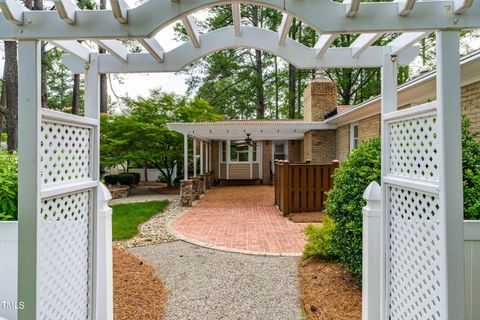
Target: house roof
[413,92]
[258,129]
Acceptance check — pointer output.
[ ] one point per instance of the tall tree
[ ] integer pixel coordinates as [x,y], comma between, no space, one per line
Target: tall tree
[103,77]
[11,92]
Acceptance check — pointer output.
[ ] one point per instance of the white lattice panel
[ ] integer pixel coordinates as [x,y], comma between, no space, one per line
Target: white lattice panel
[65,152]
[64,257]
[416,231]
[416,261]
[414,147]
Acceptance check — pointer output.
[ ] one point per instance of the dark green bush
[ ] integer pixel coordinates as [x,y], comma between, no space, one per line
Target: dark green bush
[137,176]
[8,186]
[345,202]
[126,179]
[320,240]
[471,172]
[111,179]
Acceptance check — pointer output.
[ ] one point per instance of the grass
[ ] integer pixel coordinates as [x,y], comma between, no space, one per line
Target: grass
[127,217]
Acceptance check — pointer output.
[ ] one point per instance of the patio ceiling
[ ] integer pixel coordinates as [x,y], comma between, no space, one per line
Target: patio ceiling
[258,130]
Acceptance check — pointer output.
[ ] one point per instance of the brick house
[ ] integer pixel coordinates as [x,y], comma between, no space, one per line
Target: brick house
[247,149]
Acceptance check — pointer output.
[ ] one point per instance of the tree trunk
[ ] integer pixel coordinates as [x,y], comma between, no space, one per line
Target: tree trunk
[11,92]
[76,94]
[260,101]
[276,86]
[145,168]
[3,106]
[292,85]
[103,77]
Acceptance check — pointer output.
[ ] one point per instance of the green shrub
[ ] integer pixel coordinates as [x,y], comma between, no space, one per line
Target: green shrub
[126,179]
[471,172]
[319,240]
[8,186]
[137,176]
[111,179]
[344,203]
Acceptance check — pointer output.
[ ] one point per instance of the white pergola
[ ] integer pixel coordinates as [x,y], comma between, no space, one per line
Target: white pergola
[58,260]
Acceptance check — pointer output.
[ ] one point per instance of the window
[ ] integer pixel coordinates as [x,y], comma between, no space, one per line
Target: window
[279,152]
[238,152]
[254,152]
[353,136]
[224,151]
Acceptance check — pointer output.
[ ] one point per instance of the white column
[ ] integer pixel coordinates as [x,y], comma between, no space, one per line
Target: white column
[389,74]
[194,157]
[371,253]
[228,160]
[104,284]
[201,157]
[29,122]
[207,157]
[451,187]
[210,156]
[185,156]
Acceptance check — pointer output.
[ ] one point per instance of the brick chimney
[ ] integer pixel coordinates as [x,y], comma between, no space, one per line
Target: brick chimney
[319,98]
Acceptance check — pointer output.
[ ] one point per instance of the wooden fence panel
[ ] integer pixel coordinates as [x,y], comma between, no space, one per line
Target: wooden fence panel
[302,187]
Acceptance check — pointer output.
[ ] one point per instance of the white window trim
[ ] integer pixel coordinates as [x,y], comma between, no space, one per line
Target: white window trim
[285,148]
[352,137]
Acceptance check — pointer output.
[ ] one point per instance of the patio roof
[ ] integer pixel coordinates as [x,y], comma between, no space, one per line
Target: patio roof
[258,129]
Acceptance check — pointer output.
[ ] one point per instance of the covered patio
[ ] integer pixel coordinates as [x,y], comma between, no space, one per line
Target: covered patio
[240,219]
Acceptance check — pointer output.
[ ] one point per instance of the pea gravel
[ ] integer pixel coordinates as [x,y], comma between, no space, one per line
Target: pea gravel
[207,284]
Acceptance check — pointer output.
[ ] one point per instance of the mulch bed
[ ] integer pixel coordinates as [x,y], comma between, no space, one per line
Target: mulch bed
[328,292]
[166,190]
[307,217]
[137,292]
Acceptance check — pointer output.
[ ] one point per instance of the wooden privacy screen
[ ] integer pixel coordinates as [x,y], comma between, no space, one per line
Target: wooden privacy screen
[302,187]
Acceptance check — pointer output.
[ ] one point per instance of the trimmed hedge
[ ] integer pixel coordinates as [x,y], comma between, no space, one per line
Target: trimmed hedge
[137,176]
[111,179]
[8,186]
[345,202]
[126,179]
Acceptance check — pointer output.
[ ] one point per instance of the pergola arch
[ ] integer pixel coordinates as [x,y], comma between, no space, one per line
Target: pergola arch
[255,38]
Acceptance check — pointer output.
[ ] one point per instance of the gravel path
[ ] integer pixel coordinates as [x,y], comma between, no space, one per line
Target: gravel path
[144,198]
[155,229]
[207,284]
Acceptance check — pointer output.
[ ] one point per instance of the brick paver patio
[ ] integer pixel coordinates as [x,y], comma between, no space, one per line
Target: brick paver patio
[241,219]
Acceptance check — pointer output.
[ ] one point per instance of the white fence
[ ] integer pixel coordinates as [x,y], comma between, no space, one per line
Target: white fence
[103,271]
[152,174]
[372,281]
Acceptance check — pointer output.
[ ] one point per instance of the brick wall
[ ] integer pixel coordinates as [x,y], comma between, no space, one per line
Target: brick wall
[471,104]
[319,146]
[320,97]
[266,158]
[294,151]
[215,146]
[368,128]
[343,142]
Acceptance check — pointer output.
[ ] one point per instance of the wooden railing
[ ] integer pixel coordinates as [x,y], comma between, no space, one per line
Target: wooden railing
[302,187]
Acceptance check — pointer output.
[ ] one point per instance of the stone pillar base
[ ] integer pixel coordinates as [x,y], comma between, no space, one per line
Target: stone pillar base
[197,187]
[203,182]
[208,180]
[186,193]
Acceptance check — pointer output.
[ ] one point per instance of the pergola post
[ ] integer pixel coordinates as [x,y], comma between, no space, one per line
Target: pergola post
[389,103]
[207,157]
[29,185]
[201,157]
[451,187]
[194,157]
[185,156]
[103,281]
